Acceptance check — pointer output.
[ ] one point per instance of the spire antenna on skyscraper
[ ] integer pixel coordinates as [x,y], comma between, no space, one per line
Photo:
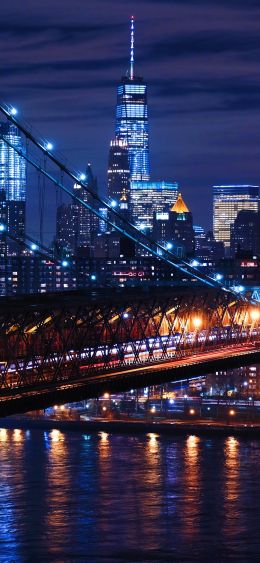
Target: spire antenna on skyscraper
[132,46]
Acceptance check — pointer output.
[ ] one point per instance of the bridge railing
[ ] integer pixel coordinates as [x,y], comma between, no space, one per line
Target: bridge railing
[66,341]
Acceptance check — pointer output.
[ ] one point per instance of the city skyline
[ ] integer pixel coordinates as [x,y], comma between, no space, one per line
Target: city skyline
[201,75]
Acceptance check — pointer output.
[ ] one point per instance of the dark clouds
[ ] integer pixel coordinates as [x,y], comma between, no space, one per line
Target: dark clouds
[60,62]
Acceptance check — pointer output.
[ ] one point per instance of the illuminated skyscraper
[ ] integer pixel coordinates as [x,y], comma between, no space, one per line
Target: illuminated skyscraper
[227,202]
[12,183]
[76,226]
[148,199]
[132,119]
[181,233]
[118,170]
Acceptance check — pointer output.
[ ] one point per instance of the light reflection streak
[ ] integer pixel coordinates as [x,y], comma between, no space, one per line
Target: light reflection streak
[192,487]
[3,435]
[232,514]
[18,435]
[58,490]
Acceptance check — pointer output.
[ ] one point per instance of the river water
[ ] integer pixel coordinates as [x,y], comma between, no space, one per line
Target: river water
[69,497]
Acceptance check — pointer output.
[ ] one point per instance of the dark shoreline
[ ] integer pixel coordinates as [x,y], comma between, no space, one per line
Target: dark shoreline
[208,429]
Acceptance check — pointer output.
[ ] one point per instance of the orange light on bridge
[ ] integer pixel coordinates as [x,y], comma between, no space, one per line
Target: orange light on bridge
[197,322]
[192,411]
[255,314]
[232,412]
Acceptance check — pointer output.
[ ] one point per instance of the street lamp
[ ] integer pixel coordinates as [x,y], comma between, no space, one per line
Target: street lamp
[255,314]
[197,322]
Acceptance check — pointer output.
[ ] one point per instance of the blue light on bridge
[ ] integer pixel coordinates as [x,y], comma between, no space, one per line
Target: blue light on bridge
[49,146]
[195,263]
[65,263]
[113,203]
[82,177]
[219,277]
[239,288]
[169,246]
[13,111]
[93,277]
[2,228]
[34,246]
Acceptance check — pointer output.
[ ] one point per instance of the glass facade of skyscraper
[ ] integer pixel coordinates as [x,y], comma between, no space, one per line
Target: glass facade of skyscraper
[12,166]
[150,198]
[227,202]
[132,125]
[12,186]
[118,170]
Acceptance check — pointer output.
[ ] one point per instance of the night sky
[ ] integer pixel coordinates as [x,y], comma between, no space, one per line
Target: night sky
[61,61]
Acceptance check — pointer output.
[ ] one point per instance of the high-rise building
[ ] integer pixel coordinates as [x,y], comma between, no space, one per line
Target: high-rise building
[76,226]
[181,233]
[207,248]
[227,202]
[150,198]
[245,234]
[199,236]
[132,119]
[12,184]
[118,170]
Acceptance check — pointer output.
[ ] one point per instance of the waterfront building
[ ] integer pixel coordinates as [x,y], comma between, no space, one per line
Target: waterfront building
[227,202]
[12,185]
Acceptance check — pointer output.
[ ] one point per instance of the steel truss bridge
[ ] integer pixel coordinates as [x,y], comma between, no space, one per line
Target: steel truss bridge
[54,348]
[62,347]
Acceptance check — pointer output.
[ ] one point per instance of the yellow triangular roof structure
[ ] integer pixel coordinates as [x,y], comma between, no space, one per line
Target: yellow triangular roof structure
[180,206]
[123,196]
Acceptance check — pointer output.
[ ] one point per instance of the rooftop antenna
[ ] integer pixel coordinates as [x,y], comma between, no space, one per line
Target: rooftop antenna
[132,48]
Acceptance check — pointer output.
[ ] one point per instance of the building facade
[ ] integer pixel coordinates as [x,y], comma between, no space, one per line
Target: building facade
[132,119]
[148,199]
[227,202]
[181,233]
[12,186]
[132,125]
[118,170]
[76,226]
[245,234]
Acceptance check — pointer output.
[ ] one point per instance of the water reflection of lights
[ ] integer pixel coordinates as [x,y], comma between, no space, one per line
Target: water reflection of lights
[104,446]
[152,437]
[56,435]
[3,434]
[232,488]
[18,435]
[153,443]
[232,443]
[192,444]
[192,486]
